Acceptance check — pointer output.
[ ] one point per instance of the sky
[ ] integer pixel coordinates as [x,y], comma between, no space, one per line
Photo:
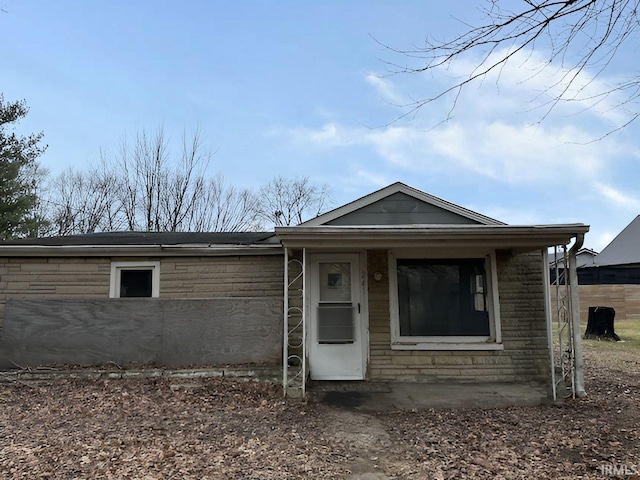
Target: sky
[298,88]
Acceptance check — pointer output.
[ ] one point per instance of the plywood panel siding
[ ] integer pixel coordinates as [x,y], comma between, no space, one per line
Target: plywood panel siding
[168,332]
[525,356]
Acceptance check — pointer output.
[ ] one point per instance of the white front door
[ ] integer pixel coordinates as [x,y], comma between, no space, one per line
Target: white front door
[336,334]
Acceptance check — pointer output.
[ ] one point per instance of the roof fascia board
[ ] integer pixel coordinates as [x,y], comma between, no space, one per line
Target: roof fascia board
[136,250]
[498,236]
[399,187]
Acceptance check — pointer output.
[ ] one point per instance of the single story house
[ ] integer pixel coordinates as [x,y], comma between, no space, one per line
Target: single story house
[398,285]
[612,279]
[584,258]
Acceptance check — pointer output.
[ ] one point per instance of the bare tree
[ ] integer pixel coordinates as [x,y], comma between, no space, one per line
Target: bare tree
[286,202]
[581,35]
[224,208]
[145,188]
[159,193]
[85,202]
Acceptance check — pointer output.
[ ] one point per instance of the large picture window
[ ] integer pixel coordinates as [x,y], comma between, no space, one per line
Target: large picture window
[440,302]
[135,279]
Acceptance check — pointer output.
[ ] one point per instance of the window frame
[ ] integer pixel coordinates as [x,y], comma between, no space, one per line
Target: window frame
[459,342]
[118,267]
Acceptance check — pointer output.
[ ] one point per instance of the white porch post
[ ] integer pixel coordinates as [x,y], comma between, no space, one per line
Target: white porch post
[304,323]
[285,329]
[575,318]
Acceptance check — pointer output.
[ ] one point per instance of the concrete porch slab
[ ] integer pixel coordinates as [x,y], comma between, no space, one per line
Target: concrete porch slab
[384,396]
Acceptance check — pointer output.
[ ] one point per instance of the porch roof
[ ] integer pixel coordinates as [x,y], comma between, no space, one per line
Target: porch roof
[516,237]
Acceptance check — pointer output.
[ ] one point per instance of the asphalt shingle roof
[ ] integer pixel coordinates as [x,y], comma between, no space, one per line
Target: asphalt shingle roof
[152,238]
[624,249]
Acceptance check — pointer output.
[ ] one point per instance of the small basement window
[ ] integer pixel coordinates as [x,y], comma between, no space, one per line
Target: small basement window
[135,279]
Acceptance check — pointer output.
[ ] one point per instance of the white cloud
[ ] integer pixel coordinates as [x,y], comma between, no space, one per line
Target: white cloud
[528,82]
[602,240]
[618,198]
[552,172]
[330,135]
[508,153]
[518,154]
[485,137]
[379,181]
[386,89]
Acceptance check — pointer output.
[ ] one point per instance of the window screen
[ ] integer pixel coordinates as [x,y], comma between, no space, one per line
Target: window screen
[136,283]
[335,323]
[442,297]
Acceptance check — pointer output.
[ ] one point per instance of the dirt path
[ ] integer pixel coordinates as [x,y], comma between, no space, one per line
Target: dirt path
[366,437]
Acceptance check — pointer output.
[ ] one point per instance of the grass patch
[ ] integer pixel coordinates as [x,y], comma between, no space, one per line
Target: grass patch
[623,355]
[627,330]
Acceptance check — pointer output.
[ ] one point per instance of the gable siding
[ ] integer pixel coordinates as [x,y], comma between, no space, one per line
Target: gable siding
[525,356]
[401,209]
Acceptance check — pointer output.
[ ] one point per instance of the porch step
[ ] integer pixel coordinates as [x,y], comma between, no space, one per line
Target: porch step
[348,386]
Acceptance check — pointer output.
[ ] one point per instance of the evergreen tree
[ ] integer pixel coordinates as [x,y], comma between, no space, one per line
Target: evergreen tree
[19,174]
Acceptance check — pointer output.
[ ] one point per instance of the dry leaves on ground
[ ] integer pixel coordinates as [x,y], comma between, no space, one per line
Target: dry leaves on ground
[144,429]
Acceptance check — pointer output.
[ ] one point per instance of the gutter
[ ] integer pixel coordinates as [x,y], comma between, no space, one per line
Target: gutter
[575,318]
[495,236]
[137,250]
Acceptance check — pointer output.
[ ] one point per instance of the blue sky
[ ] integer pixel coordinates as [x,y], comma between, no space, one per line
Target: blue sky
[300,88]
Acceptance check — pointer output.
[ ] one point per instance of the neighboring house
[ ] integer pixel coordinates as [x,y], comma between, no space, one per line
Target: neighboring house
[396,286]
[613,278]
[584,258]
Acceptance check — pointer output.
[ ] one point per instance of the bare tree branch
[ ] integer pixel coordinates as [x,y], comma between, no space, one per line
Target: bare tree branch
[291,201]
[145,188]
[581,35]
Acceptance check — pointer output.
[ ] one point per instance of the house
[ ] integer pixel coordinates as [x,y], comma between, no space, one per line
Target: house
[613,278]
[398,285]
[584,258]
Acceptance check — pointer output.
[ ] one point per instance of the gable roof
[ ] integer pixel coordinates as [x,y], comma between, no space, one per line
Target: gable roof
[399,190]
[624,249]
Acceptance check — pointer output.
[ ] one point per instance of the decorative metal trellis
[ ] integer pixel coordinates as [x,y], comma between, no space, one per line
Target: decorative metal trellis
[294,369]
[565,363]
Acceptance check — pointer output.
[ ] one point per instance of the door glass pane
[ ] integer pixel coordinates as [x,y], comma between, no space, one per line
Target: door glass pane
[335,282]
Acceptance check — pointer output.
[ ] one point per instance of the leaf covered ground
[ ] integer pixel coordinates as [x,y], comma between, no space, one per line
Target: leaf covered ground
[220,429]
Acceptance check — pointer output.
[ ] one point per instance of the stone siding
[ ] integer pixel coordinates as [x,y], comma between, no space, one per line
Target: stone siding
[58,278]
[525,356]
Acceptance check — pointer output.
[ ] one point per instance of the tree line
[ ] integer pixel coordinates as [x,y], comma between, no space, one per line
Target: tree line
[144,186]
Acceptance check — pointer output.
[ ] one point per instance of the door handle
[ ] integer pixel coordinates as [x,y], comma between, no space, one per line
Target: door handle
[358,307]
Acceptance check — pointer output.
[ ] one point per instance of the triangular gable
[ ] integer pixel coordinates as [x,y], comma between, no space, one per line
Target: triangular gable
[624,248]
[399,204]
